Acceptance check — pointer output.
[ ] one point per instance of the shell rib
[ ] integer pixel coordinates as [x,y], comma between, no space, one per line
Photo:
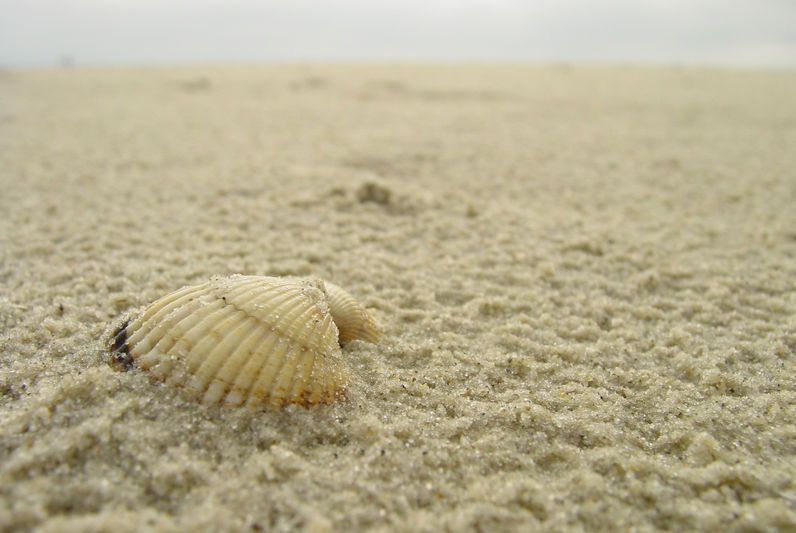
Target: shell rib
[244,340]
[350,317]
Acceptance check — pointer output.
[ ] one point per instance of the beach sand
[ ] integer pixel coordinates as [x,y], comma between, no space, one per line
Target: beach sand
[587,278]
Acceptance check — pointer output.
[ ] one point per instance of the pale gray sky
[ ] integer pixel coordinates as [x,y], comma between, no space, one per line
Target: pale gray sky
[758,33]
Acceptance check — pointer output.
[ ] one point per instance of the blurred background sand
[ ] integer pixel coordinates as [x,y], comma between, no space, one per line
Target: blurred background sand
[586,276]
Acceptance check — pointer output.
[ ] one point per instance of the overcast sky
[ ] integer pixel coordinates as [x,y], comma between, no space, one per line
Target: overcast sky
[757,33]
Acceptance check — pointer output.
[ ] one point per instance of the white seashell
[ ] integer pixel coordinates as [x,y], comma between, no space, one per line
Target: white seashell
[249,340]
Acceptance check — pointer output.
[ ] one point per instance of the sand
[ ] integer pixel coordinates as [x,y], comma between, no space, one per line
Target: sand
[587,277]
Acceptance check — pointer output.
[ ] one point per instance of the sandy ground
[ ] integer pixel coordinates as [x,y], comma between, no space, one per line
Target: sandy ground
[587,277]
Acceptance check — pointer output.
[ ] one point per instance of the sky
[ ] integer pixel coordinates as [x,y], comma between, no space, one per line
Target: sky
[742,33]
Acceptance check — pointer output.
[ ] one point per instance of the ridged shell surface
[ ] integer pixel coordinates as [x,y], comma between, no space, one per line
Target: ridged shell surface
[350,316]
[240,340]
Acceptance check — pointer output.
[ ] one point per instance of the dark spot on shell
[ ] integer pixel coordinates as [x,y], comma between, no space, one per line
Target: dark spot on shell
[120,353]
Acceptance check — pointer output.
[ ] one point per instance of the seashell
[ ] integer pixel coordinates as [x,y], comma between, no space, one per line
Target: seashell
[350,317]
[248,340]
